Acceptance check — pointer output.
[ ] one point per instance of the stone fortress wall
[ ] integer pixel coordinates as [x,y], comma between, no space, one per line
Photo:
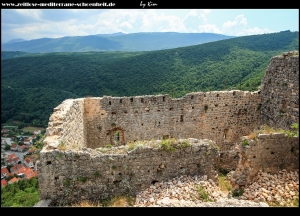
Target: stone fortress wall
[94,122]
[280,87]
[69,176]
[221,116]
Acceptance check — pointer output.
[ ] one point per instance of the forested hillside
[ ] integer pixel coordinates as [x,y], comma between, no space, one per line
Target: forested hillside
[144,41]
[33,85]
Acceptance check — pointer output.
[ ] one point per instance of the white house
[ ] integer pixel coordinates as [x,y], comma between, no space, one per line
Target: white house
[37,131]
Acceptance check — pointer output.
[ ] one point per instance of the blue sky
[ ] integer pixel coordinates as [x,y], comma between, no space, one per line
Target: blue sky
[54,23]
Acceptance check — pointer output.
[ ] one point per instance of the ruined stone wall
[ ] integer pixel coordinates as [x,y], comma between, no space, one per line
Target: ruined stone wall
[69,176]
[269,153]
[280,91]
[67,125]
[219,116]
[222,116]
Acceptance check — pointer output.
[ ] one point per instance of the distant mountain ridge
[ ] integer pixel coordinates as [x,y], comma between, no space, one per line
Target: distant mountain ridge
[146,41]
[32,84]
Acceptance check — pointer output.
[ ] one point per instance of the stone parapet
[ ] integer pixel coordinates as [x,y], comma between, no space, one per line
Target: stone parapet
[69,176]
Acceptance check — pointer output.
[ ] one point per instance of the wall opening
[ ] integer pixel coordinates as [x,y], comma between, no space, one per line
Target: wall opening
[181,118]
[117,136]
[131,99]
[109,102]
[225,136]
[142,100]
[154,181]
[164,98]
[120,100]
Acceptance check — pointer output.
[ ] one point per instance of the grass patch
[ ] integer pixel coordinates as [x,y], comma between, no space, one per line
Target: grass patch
[32,129]
[61,146]
[108,146]
[86,203]
[253,135]
[224,183]
[168,145]
[82,179]
[245,142]
[184,144]
[118,201]
[203,194]
[97,174]
[67,182]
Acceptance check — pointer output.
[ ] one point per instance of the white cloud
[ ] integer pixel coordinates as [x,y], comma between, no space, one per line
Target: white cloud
[240,20]
[254,31]
[203,14]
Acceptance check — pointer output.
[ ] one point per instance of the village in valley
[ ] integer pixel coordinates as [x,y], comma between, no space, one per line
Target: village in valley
[20,153]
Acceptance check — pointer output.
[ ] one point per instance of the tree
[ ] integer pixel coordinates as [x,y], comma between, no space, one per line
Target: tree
[21,125]
[7,147]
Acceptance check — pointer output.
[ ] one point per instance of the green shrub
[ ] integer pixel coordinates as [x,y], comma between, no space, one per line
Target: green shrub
[67,182]
[168,145]
[203,194]
[97,174]
[109,146]
[237,192]
[82,179]
[185,144]
[245,142]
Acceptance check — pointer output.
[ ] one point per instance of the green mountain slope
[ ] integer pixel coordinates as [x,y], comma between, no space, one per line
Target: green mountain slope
[114,42]
[33,85]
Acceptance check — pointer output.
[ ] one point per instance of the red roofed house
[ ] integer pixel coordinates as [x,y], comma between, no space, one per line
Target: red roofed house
[28,162]
[27,141]
[3,182]
[4,172]
[12,155]
[13,180]
[33,158]
[28,172]
[21,170]
[32,175]
[12,161]
[4,130]
[9,175]
[22,148]
[14,147]
[15,168]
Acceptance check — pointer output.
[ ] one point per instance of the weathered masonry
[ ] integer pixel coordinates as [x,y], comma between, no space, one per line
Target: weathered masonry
[95,122]
[69,176]
[85,124]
